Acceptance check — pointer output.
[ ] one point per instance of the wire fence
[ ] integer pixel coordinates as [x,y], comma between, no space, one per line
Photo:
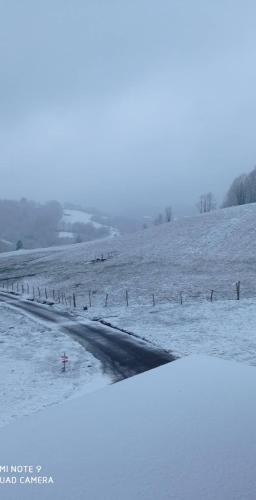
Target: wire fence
[127,297]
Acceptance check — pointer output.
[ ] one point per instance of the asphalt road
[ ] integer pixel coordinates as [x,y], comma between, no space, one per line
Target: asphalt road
[122,355]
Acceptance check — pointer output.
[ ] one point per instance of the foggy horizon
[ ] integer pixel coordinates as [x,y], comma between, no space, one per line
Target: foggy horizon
[126,108]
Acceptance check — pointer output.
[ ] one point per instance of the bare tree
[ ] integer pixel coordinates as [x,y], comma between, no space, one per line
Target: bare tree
[206,203]
[238,193]
[168,213]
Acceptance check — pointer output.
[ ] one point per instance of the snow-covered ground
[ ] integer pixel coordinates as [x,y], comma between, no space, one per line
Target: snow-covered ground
[30,367]
[223,328]
[192,256]
[179,432]
[184,431]
[71,217]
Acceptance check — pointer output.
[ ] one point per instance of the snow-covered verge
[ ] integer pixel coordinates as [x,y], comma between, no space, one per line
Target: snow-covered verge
[30,366]
[183,431]
[223,328]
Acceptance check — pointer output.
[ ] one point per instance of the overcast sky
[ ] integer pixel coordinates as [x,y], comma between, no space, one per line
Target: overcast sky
[127,104]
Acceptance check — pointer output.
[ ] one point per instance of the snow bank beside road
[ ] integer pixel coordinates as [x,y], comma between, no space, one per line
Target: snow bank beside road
[183,431]
[223,328]
[30,366]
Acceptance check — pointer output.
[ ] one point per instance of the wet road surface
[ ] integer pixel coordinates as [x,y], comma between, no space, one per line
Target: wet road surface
[122,355]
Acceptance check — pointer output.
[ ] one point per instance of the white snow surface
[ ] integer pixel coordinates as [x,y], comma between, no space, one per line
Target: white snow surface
[191,255]
[30,366]
[73,216]
[224,328]
[65,234]
[184,431]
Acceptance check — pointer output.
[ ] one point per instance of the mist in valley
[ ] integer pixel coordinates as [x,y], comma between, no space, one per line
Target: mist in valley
[127,109]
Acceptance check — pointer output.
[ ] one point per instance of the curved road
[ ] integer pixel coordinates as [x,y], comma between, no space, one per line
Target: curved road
[122,355]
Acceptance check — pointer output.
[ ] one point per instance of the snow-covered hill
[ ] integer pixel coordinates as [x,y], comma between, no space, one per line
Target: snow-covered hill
[159,267]
[69,230]
[191,254]
[6,245]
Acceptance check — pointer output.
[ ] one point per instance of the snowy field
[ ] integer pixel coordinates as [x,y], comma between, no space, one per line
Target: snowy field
[224,329]
[171,431]
[73,216]
[192,256]
[30,368]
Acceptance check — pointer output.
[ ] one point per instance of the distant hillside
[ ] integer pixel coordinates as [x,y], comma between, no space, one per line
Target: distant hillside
[78,226]
[6,246]
[27,224]
[191,254]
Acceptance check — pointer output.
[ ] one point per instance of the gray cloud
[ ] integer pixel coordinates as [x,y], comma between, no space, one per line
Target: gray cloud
[125,105]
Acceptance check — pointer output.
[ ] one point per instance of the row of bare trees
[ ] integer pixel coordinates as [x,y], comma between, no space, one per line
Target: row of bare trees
[242,190]
[206,203]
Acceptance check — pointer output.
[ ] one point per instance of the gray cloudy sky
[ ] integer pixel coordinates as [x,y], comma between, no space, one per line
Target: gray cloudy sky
[126,104]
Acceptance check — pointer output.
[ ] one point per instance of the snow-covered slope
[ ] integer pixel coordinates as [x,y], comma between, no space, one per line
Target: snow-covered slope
[185,259]
[192,254]
[71,217]
[185,431]
[6,245]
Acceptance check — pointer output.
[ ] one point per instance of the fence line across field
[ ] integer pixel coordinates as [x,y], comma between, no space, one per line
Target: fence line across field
[72,300]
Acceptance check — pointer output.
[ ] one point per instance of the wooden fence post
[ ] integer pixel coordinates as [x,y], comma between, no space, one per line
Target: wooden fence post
[74,300]
[238,290]
[127,298]
[212,291]
[181,298]
[90,298]
[106,300]
[153,297]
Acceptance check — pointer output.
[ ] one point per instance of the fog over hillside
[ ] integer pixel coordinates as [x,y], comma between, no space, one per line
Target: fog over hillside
[28,224]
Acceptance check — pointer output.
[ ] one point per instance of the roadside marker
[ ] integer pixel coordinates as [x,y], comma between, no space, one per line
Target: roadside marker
[64,360]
